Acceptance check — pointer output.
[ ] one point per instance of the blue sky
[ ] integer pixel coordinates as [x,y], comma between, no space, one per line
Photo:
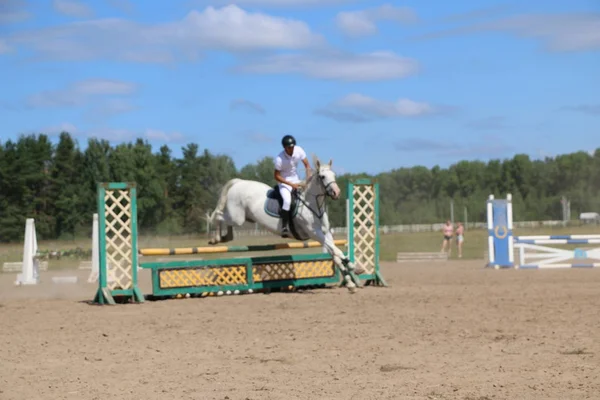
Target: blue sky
[372,85]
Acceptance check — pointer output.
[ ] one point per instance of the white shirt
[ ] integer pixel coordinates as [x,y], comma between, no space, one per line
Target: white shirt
[288,165]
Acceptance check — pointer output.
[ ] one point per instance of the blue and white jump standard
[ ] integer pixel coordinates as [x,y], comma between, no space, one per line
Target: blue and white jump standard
[502,244]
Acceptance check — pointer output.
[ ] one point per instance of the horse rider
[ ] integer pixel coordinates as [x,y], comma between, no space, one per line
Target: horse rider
[286,174]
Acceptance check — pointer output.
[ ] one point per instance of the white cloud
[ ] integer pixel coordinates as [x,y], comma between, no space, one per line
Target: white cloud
[235,29]
[229,28]
[356,107]
[58,129]
[246,104]
[341,116]
[113,106]
[369,105]
[347,67]
[72,8]
[560,32]
[364,22]
[154,134]
[105,109]
[104,86]
[110,134]
[115,134]
[80,92]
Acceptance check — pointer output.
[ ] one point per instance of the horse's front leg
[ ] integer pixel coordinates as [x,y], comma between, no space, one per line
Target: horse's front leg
[340,260]
[345,259]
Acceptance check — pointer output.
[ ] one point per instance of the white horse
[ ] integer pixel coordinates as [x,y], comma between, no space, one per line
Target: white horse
[243,201]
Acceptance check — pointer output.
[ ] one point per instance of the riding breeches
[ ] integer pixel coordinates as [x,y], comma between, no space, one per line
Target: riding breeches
[286,194]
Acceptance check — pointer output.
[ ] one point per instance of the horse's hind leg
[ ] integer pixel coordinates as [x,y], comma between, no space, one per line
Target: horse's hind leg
[217,237]
[228,237]
[231,214]
[234,215]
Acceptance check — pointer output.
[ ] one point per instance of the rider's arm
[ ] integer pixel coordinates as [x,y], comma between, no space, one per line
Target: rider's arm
[279,178]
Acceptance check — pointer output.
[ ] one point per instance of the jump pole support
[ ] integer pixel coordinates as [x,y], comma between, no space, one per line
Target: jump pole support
[362,224]
[117,226]
[500,235]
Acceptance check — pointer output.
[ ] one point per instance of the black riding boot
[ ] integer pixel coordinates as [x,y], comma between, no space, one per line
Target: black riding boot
[285,220]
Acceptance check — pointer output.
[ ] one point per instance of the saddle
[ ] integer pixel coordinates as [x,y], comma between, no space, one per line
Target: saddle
[273,204]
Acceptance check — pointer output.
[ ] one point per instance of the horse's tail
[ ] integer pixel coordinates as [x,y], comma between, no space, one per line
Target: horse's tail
[223,198]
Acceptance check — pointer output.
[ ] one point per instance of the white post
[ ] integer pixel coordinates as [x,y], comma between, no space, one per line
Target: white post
[521,255]
[30,270]
[348,224]
[509,217]
[95,251]
[490,222]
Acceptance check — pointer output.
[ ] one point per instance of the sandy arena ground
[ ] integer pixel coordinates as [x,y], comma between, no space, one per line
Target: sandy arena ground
[441,331]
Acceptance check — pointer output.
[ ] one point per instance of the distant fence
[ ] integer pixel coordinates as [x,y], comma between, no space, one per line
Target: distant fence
[248,230]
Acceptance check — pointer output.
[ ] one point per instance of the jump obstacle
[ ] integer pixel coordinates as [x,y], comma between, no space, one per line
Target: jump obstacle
[94,264]
[232,249]
[502,243]
[118,249]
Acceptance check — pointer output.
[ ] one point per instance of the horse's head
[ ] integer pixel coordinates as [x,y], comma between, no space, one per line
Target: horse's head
[326,178]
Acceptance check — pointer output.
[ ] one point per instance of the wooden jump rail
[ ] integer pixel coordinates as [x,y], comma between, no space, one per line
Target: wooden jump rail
[234,249]
[423,256]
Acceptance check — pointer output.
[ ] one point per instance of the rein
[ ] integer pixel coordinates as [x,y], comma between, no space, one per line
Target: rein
[321,207]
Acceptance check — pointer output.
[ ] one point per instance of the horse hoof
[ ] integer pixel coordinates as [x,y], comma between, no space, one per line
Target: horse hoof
[359,270]
[350,284]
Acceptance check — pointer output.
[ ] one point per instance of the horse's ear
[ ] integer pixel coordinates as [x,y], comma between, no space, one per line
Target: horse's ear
[330,162]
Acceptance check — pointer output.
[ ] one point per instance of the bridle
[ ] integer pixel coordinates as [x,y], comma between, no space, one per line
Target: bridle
[320,197]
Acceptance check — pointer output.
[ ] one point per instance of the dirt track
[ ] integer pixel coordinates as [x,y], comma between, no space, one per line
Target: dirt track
[443,331]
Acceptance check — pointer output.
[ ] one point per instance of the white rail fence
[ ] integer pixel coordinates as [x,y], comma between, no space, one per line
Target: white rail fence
[248,230]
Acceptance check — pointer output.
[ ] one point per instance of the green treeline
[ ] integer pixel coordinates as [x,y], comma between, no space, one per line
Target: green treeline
[56,185]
